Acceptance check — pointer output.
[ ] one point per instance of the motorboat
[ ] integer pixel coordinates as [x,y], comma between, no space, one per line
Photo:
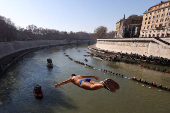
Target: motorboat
[38,91]
[49,63]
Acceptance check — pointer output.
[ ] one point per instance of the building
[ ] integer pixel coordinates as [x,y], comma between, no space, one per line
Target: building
[156,21]
[119,28]
[130,27]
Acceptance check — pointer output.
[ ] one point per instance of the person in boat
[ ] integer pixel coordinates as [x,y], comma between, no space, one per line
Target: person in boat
[154,84]
[37,89]
[134,78]
[160,86]
[85,82]
[139,80]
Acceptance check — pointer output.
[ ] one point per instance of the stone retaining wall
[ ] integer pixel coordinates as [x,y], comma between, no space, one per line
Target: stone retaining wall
[147,47]
[7,48]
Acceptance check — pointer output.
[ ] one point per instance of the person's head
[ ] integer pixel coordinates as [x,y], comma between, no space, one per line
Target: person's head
[73,75]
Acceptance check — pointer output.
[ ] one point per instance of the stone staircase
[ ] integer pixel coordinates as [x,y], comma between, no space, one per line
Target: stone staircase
[162,42]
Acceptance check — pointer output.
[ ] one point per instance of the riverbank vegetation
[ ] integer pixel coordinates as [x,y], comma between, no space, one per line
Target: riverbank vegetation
[10,32]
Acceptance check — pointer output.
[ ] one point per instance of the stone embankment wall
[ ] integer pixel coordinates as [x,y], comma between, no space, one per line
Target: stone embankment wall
[141,46]
[7,48]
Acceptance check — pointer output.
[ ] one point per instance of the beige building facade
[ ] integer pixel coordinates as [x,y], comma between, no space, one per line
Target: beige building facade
[126,28]
[156,21]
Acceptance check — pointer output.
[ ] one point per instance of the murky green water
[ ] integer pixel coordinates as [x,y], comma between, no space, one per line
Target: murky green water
[16,91]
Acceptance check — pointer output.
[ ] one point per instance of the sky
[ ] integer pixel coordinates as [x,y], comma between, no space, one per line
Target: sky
[72,15]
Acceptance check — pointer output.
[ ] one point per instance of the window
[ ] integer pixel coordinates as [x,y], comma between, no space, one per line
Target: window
[148,22]
[155,12]
[145,22]
[157,16]
[161,20]
[165,4]
[149,18]
[148,27]
[159,11]
[166,19]
[168,13]
[144,28]
[146,14]
[153,16]
[150,13]
[163,10]
[151,27]
[145,18]
[160,25]
[162,15]
[169,8]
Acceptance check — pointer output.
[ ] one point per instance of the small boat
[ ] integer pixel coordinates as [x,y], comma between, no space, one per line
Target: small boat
[89,53]
[38,92]
[85,60]
[49,63]
[156,69]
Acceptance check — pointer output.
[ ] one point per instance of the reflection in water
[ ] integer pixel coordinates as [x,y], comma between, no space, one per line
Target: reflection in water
[16,92]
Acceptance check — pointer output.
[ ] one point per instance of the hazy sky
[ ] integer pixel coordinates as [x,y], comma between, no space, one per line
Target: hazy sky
[72,15]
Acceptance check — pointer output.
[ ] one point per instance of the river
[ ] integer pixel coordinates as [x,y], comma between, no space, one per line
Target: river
[17,84]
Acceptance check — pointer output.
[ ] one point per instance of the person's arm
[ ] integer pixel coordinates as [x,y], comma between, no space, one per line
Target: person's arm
[64,82]
[88,76]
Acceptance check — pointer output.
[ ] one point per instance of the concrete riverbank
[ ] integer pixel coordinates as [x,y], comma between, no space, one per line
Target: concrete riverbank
[142,46]
[11,52]
[125,57]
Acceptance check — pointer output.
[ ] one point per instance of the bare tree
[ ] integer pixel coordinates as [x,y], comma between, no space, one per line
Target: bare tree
[110,35]
[100,32]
